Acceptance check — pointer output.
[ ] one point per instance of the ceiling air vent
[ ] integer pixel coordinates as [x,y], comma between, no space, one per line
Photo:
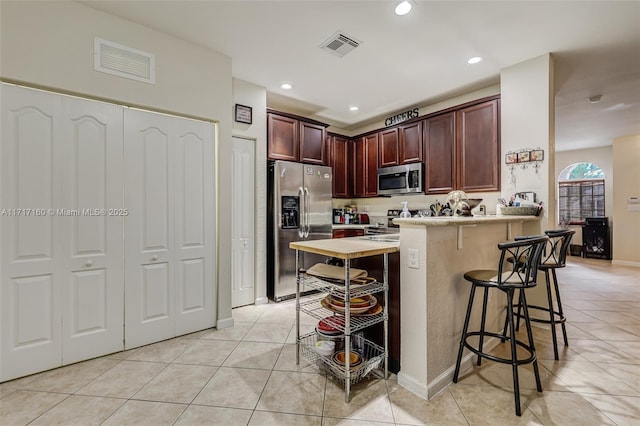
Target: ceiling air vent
[123,61]
[339,44]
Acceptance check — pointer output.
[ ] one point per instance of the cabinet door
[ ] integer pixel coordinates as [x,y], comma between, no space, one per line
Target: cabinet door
[282,139]
[371,166]
[93,257]
[359,167]
[410,143]
[388,147]
[479,147]
[341,167]
[31,267]
[312,141]
[440,154]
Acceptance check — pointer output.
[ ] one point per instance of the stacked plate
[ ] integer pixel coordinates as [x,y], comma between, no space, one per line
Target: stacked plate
[330,326]
[362,305]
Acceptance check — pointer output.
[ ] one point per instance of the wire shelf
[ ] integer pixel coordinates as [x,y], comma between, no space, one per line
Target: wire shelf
[314,308]
[337,287]
[373,357]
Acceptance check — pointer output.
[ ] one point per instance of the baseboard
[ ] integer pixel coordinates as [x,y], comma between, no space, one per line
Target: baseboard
[224,323]
[435,386]
[261,301]
[413,386]
[625,263]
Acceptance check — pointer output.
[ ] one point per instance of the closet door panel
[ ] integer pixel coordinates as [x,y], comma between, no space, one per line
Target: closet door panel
[30,252]
[92,220]
[194,176]
[148,153]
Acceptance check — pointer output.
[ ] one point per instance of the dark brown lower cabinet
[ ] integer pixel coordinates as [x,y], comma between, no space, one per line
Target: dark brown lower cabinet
[374,266]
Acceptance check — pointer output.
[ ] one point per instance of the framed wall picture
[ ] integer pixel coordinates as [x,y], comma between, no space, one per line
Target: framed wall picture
[536,155]
[244,114]
[511,158]
[523,157]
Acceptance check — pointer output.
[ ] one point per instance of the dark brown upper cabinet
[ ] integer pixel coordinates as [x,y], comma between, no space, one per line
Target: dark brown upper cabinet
[293,139]
[478,138]
[282,138]
[312,144]
[365,166]
[388,147]
[340,154]
[410,143]
[440,153]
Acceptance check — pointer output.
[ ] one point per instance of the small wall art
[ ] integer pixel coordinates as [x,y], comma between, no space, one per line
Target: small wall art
[511,158]
[524,157]
[536,155]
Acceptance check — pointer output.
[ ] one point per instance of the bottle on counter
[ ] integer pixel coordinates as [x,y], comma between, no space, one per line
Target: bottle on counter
[405,211]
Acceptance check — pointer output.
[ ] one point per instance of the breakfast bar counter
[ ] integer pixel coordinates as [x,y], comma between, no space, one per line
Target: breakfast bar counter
[436,252]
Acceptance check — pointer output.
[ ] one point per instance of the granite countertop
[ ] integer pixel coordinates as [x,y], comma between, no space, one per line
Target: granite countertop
[346,248]
[461,220]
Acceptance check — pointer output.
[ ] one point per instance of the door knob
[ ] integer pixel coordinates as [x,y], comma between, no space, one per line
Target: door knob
[154,257]
[88,263]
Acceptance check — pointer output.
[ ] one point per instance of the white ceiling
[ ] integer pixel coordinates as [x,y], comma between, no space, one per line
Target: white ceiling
[418,59]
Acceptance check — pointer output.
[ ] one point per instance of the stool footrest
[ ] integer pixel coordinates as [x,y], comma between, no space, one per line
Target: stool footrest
[519,361]
[558,317]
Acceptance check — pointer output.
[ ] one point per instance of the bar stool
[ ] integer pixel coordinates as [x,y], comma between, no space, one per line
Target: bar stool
[555,257]
[508,278]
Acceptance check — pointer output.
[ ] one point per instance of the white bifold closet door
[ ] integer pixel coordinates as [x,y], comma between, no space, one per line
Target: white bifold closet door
[61,294]
[169,232]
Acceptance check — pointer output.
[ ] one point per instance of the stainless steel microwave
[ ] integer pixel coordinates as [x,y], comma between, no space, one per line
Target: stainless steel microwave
[406,179]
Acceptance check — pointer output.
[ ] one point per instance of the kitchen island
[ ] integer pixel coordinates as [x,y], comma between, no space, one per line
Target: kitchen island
[436,252]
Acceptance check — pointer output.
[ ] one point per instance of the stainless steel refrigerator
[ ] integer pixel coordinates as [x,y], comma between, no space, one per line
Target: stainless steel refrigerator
[299,208]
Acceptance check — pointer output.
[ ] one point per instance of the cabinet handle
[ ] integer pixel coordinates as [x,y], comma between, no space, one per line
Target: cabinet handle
[88,263]
[154,257]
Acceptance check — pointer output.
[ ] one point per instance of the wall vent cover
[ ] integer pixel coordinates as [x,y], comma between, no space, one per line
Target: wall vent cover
[123,61]
[340,44]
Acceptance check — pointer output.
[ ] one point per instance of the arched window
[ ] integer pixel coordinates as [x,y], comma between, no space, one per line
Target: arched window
[580,193]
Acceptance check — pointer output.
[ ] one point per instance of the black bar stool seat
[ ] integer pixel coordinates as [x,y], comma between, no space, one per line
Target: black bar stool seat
[508,278]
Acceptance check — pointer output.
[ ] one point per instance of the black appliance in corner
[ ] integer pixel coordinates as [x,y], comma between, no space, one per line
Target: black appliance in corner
[595,238]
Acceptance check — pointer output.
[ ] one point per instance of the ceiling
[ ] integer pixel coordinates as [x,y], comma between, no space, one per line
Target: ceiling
[418,59]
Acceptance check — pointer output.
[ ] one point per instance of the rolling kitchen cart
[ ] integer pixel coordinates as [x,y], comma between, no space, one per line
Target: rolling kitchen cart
[372,355]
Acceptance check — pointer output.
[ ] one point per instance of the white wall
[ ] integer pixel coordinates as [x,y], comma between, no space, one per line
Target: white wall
[626,229]
[50,45]
[527,121]
[603,157]
[249,94]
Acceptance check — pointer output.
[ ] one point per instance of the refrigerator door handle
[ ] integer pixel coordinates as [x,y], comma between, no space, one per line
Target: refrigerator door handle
[307,208]
[301,213]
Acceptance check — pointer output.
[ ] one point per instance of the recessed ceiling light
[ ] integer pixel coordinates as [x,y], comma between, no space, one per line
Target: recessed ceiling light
[286,86]
[403,7]
[354,108]
[474,60]
[594,99]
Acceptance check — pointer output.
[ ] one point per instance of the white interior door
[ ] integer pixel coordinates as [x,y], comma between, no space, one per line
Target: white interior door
[149,194]
[243,222]
[93,258]
[31,275]
[194,245]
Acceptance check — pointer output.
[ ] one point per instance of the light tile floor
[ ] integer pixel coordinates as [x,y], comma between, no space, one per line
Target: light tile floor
[247,375]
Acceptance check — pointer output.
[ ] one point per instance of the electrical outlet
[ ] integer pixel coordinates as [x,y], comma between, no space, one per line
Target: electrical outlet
[414,262]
